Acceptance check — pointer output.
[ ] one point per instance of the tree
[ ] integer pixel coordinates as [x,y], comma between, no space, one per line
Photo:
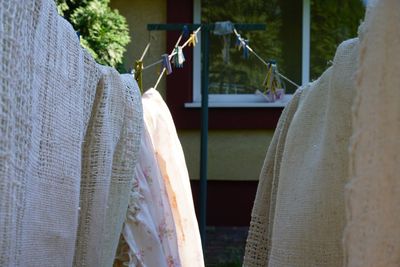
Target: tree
[332,22]
[103,31]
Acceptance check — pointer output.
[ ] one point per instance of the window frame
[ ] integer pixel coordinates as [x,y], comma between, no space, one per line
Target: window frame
[179,90]
[246,100]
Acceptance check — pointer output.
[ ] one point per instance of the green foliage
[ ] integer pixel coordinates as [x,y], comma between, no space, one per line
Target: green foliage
[103,31]
[331,23]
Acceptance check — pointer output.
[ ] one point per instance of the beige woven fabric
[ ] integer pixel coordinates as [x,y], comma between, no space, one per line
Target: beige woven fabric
[171,161]
[372,235]
[48,85]
[110,153]
[298,215]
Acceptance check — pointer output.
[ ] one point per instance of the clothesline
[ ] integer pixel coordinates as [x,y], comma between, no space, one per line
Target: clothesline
[260,58]
[194,35]
[173,53]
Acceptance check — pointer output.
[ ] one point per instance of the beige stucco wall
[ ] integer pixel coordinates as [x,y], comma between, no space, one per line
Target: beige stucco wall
[139,13]
[232,155]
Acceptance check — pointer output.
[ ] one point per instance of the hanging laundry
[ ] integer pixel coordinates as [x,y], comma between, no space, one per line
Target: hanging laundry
[110,152]
[171,160]
[225,29]
[372,232]
[68,146]
[299,211]
[149,236]
[178,58]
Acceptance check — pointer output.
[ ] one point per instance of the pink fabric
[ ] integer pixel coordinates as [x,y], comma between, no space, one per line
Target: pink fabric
[171,161]
[149,232]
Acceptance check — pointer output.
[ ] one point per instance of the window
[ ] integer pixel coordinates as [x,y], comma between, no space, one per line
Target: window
[287,40]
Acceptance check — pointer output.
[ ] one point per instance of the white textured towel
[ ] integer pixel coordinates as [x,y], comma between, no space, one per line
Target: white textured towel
[57,106]
[372,235]
[299,213]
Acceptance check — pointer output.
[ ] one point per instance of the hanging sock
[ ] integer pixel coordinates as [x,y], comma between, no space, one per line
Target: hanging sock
[166,63]
[179,58]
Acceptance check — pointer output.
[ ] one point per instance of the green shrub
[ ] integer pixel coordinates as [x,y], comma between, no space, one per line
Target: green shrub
[103,31]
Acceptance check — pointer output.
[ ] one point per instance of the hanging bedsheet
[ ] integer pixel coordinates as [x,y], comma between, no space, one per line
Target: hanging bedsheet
[70,132]
[299,212]
[171,160]
[149,236]
[372,234]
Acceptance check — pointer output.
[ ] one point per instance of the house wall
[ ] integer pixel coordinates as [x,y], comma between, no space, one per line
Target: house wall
[234,155]
[138,14]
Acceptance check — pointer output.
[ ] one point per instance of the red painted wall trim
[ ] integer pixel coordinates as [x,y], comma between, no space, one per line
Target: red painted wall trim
[179,88]
[229,203]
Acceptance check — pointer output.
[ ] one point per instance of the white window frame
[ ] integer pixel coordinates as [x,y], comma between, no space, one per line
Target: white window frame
[246,100]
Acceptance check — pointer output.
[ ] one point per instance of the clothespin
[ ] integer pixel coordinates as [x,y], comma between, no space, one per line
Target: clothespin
[179,58]
[139,73]
[166,63]
[185,31]
[193,39]
[273,89]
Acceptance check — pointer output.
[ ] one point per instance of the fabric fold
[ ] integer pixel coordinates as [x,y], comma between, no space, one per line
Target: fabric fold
[298,215]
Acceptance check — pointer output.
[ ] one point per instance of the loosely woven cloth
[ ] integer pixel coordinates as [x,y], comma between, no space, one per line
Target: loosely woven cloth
[52,97]
[110,153]
[372,234]
[298,215]
[171,161]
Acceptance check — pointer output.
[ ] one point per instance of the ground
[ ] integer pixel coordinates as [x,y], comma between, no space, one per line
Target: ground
[225,246]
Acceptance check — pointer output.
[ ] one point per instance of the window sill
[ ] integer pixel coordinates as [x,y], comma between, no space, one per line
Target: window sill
[278,104]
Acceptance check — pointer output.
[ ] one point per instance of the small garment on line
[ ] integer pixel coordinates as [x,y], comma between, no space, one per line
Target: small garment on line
[299,212]
[149,236]
[372,233]
[171,161]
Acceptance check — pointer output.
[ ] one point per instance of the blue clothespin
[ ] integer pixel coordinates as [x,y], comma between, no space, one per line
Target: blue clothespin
[166,63]
[185,31]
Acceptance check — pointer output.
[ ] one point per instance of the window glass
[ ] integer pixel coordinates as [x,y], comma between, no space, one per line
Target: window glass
[233,74]
[331,23]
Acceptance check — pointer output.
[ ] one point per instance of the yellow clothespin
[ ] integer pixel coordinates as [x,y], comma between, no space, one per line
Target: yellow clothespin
[193,39]
[139,73]
[139,68]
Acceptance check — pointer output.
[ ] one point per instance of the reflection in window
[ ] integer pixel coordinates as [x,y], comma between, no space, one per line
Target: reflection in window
[331,23]
[238,75]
